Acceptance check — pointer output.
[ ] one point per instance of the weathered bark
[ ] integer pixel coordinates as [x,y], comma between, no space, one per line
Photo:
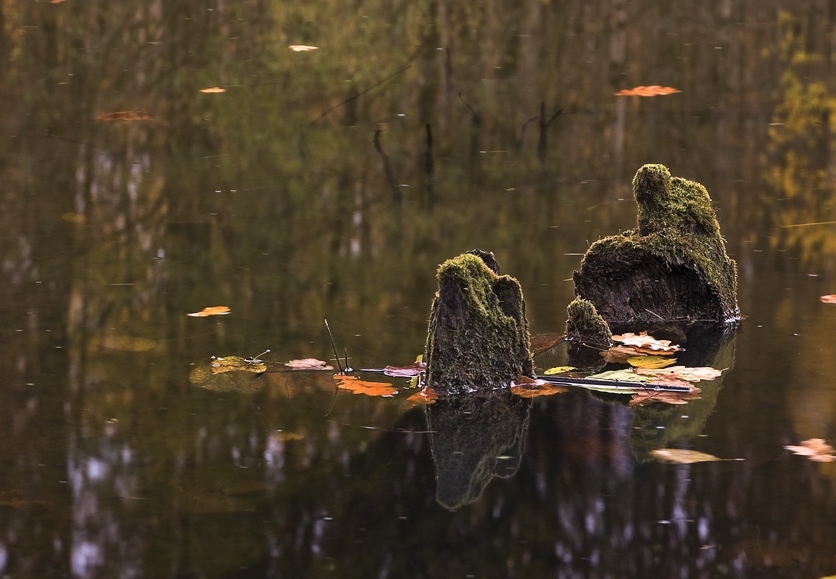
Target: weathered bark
[478,333]
[672,268]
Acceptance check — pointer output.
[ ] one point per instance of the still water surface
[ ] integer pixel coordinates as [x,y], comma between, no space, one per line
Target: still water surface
[309,189]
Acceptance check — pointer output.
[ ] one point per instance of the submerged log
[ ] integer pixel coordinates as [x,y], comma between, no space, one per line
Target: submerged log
[478,333]
[672,268]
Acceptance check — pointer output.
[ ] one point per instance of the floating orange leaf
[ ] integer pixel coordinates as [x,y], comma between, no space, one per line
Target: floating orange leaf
[829,299]
[211,311]
[213,90]
[648,91]
[302,48]
[531,387]
[816,449]
[425,397]
[620,354]
[683,456]
[127,116]
[308,364]
[358,386]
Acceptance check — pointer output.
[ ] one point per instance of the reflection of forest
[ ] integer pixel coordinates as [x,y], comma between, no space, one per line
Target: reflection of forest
[256,199]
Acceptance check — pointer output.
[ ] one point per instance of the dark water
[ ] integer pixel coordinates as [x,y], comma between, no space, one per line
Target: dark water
[271,198]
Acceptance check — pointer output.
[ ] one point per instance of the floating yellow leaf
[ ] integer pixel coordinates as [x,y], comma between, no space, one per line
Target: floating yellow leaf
[558,370]
[213,90]
[829,299]
[211,311]
[302,48]
[237,363]
[358,386]
[652,362]
[680,456]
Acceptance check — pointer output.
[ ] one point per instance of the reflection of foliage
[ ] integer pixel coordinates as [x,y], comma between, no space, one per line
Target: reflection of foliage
[801,137]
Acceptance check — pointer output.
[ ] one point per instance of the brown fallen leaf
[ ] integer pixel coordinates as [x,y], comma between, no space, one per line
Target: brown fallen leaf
[302,48]
[648,91]
[127,116]
[308,364]
[645,341]
[645,397]
[828,299]
[211,311]
[815,449]
[358,386]
[413,369]
[213,90]
[542,342]
[621,354]
[685,373]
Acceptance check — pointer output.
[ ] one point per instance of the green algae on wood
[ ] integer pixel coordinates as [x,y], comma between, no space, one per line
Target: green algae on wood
[585,325]
[478,333]
[672,268]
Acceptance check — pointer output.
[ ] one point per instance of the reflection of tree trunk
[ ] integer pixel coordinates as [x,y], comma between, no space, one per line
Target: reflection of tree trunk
[387,167]
[429,168]
[474,440]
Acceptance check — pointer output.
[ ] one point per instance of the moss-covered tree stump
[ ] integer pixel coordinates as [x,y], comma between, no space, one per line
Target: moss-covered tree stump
[478,333]
[672,268]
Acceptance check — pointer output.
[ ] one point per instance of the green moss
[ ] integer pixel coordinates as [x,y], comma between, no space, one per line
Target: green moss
[586,325]
[478,332]
[677,233]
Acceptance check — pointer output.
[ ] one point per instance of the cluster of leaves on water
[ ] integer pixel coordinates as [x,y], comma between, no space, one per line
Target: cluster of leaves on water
[815,449]
[648,91]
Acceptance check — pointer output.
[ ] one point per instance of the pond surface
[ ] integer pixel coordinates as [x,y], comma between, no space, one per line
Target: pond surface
[330,183]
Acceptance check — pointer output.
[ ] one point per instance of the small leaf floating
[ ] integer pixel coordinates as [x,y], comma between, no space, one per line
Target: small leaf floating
[213,90]
[815,449]
[681,456]
[526,387]
[558,370]
[650,362]
[425,397]
[237,363]
[302,48]
[685,373]
[211,311]
[413,369]
[308,364]
[648,91]
[358,386]
[828,299]
[645,397]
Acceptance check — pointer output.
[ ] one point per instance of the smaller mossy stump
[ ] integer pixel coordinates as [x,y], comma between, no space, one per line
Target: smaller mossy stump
[672,268]
[587,333]
[478,333]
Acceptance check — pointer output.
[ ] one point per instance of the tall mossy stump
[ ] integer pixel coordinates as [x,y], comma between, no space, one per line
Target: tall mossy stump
[478,333]
[672,268]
